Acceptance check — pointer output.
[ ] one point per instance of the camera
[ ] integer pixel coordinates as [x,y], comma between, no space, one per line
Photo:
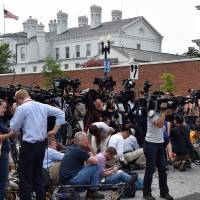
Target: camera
[128,84]
[147,85]
[61,83]
[106,82]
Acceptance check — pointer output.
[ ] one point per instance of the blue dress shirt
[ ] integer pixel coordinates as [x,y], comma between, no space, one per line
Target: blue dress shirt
[31,118]
[51,156]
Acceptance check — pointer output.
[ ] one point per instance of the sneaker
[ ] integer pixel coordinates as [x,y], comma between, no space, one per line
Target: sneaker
[94,195]
[183,166]
[166,196]
[148,197]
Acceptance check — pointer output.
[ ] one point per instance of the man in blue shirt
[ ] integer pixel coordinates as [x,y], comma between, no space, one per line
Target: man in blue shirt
[31,118]
[52,160]
[72,169]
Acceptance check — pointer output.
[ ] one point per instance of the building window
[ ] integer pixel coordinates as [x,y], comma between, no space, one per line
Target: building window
[138,46]
[77,51]
[66,52]
[88,50]
[77,65]
[57,53]
[22,53]
[35,69]
[66,66]
[23,69]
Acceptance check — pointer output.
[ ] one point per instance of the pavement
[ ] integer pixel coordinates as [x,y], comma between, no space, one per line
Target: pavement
[182,185]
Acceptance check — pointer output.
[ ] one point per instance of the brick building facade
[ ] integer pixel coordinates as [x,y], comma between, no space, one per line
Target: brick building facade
[187,75]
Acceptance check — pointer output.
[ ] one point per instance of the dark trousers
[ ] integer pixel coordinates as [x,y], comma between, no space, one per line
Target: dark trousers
[155,157]
[30,170]
[3,173]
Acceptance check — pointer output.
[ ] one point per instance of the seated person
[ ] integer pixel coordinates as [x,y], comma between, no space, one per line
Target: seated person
[72,169]
[195,134]
[99,134]
[132,152]
[180,142]
[117,141]
[113,175]
[52,160]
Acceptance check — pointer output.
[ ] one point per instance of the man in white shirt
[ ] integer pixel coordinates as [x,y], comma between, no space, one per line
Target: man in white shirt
[99,134]
[117,141]
[132,152]
[52,160]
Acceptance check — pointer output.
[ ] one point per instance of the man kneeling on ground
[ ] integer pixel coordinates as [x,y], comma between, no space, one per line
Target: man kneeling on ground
[73,171]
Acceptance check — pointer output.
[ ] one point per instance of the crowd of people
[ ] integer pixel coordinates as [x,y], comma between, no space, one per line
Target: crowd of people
[115,139]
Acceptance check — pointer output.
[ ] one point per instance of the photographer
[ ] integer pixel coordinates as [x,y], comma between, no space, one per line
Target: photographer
[180,138]
[155,153]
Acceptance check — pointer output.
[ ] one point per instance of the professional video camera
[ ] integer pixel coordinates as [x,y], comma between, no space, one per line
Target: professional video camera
[61,83]
[196,94]
[128,84]
[147,85]
[173,103]
[107,82]
[8,93]
[128,93]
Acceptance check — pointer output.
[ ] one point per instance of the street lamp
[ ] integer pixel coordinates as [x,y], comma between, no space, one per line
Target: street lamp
[105,50]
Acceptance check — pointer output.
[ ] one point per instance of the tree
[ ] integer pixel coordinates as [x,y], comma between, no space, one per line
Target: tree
[168,85]
[192,52]
[5,54]
[51,71]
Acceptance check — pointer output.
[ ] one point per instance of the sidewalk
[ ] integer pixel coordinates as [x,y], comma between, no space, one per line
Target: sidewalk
[182,185]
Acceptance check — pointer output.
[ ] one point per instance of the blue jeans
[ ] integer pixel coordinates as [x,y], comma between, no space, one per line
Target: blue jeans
[118,177]
[3,173]
[155,157]
[88,175]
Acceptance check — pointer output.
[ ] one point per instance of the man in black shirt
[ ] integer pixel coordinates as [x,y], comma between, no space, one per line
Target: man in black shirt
[72,169]
[180,142]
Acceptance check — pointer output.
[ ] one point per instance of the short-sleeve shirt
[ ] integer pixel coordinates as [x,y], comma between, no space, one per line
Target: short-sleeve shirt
[154,133]
[103,127]
[73,162]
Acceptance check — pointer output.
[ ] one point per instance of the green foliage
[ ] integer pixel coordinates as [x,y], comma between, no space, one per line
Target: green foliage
[168,85]
[5,54]
[192,52]
[51,71]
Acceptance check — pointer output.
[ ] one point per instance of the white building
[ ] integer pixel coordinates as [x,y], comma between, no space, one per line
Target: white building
[74,46]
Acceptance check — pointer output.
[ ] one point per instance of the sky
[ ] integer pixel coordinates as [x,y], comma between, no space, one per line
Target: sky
[178,21]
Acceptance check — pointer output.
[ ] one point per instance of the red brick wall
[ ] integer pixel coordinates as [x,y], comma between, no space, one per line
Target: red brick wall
[187,75]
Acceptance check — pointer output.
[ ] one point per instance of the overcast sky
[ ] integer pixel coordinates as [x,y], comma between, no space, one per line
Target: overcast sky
[177,20]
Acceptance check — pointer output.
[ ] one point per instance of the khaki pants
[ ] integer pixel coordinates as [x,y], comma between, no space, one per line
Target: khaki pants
[137,155]
[54,173]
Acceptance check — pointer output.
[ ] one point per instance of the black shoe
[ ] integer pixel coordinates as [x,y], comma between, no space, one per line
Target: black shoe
[134,179]
[166,196]
[148,197]
[183,166]
[93,195]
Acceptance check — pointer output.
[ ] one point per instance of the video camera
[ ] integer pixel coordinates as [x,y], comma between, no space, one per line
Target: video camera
[128,84]
[106,82]
[172,103]
[61,83]
[147,85]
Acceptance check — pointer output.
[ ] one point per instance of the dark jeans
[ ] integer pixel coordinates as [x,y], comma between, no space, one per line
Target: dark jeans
[3,173]
[30,170]
[155,157]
